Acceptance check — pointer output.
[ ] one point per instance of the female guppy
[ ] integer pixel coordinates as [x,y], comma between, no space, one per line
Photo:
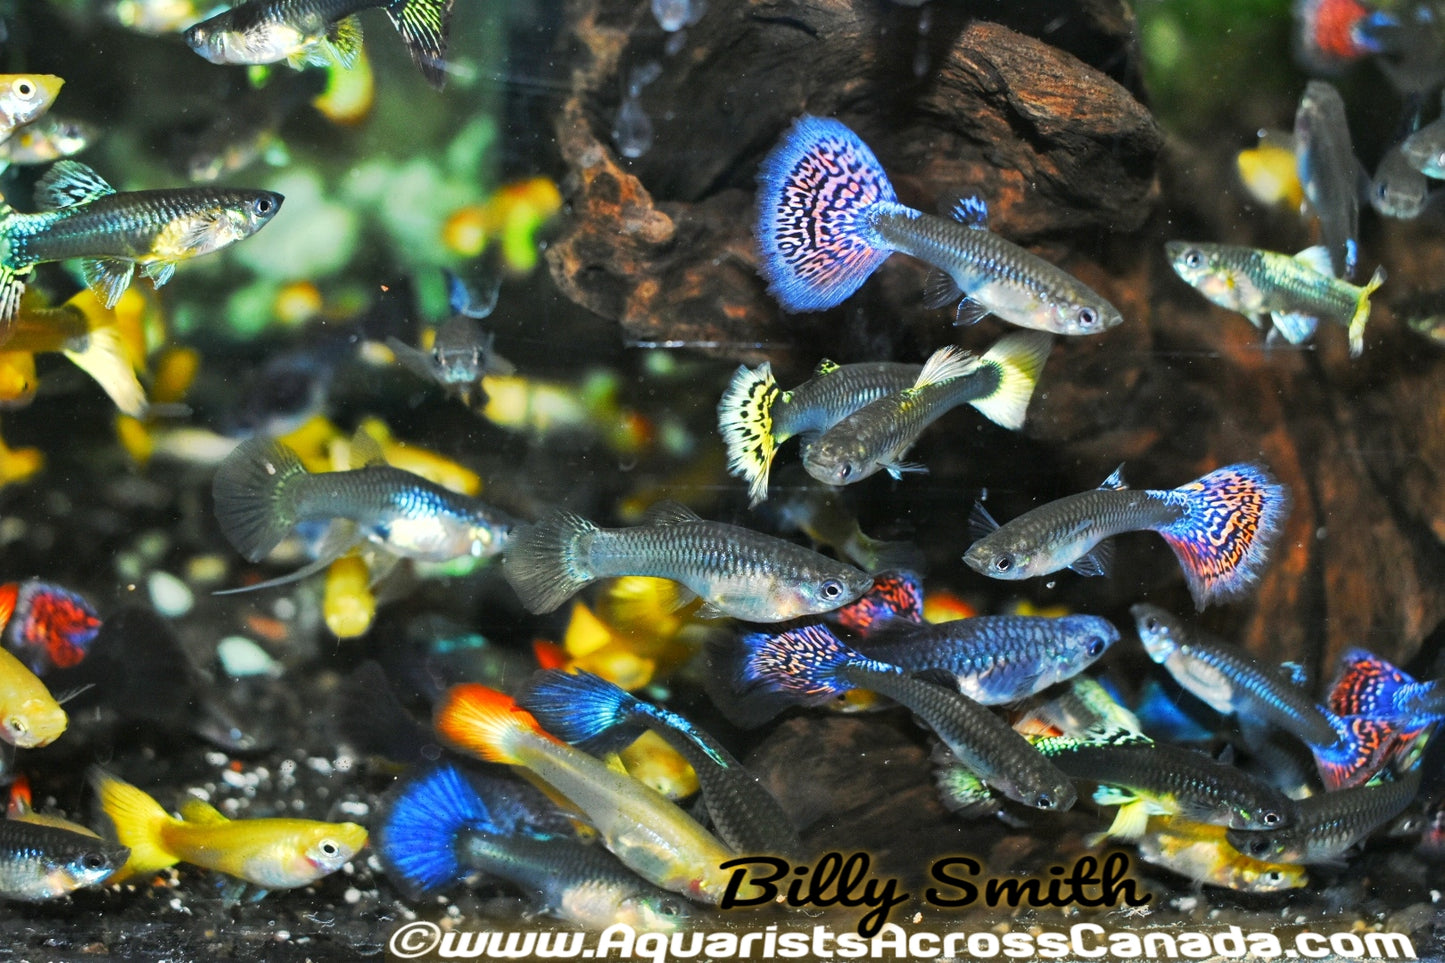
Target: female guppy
[828,217]
[111,233]
[262,491]
[1221,528]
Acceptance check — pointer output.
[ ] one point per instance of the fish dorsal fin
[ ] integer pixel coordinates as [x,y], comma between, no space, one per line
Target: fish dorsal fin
[971,210]
[980,522]
[1295,674]
[825,367]
[68,183]
[669,512]
[1115,482]
[198,812]
[1317,258]
[946,364]
[940,289]
[365,450]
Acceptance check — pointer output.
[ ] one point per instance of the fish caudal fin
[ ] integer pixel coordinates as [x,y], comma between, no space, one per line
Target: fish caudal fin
[1361,749]
[895,597]
[580,707]
[418,838]
[424,26]
[104,358]
[1233,516]
[1366,685]
[483,721]
[1362,313]
[1019,358]
[818,192]
[544,564]
[254,495]
[805,663]
[745,421]
[140,823]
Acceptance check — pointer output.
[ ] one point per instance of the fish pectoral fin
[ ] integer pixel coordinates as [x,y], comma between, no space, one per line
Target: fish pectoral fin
[969,312]
[899,468]
[418,362]
[108,277]
[69,183]
[1096,563]
[159,271]
[344,41]
[939,289]
[1295,327]
[710,611]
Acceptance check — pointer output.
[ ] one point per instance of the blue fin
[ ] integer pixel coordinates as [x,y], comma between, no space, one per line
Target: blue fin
[1115,481]
[582,709]
[1294,327]
[971,210]
[417,839]
[803,663]
[68,183]
[817,191]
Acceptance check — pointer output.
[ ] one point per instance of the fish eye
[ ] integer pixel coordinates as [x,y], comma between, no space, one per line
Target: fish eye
[1259,848]
[1151,623]
[23,88]
[1003,563]
[17,726]
[328,848]
[263,206]
[94,861]
[1096,647]
[1274,876]
[1271,818]
[669,907]
[1044,801]
[845,471]
[1193,258]
[1088,317]
[831,589]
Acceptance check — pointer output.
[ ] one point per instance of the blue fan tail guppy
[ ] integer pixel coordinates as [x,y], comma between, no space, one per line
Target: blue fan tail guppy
[417,840]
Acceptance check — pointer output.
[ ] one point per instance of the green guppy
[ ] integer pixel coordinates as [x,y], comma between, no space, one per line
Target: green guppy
[649,475]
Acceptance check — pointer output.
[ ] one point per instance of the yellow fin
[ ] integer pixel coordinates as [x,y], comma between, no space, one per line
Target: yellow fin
[140,823]
[198,812]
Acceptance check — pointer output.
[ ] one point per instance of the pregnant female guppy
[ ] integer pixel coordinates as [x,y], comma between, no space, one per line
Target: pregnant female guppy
[111,233]
[828,217]
[1221,528]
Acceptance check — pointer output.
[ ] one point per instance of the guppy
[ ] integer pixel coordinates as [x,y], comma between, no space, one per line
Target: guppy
[39,861]
[828,217]
[262,491]
[111,233]
[1201,852]
[879,434]
[1221,528]
[737,572]
[24,97]
[1327,824]
[303,32]
[1296,292]
[1329,172]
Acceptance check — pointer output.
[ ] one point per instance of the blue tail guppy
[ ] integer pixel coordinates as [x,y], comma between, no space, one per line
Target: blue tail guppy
[997,659]
[828,217]
[1221,528]
[895,598]
[1371,686]
[439,829]
[598,716]
[811,666]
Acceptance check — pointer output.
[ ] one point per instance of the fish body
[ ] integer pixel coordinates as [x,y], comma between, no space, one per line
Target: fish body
[651,835]
[29,715]
[47,138]
[1296,292]
[114,232]
[303,32]
[828,217]
[439,828]
[24,97]
[1399,189]
[755,416]
[1221,527]
[812,666]
[1327,824]
[819,512]
[1228,679]
[591,712]
[461,354]
[262,491]
[878,435]
[40,861]
[1201,852]
[1329,172]
[267,853]
[998,659]
[736,571]
[1424,150]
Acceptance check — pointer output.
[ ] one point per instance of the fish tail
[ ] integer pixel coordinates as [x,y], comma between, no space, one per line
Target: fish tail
[1361,748]
[254,495]
[53,625]
[418,838]
[1232,518]
[1367,685]
[1362,312]
[805,663]
[140,823]
[543,563]
[1018,358]
[894,595]
[745,421]
[105,359]
[424,26]
[577,707]
[818,193]
[483,721]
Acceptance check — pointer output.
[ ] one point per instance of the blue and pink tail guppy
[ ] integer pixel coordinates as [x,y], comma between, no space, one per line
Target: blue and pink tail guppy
[828,217]
[46,626]
[1221,527]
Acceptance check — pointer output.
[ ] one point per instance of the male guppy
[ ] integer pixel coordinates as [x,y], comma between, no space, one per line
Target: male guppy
[439,828]
[736,571]
[112,233]
[303,32]
[262,491]
[1296,292]
[1221,528]
[1329,172]
[828,217]
[40,860]
[878,435]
